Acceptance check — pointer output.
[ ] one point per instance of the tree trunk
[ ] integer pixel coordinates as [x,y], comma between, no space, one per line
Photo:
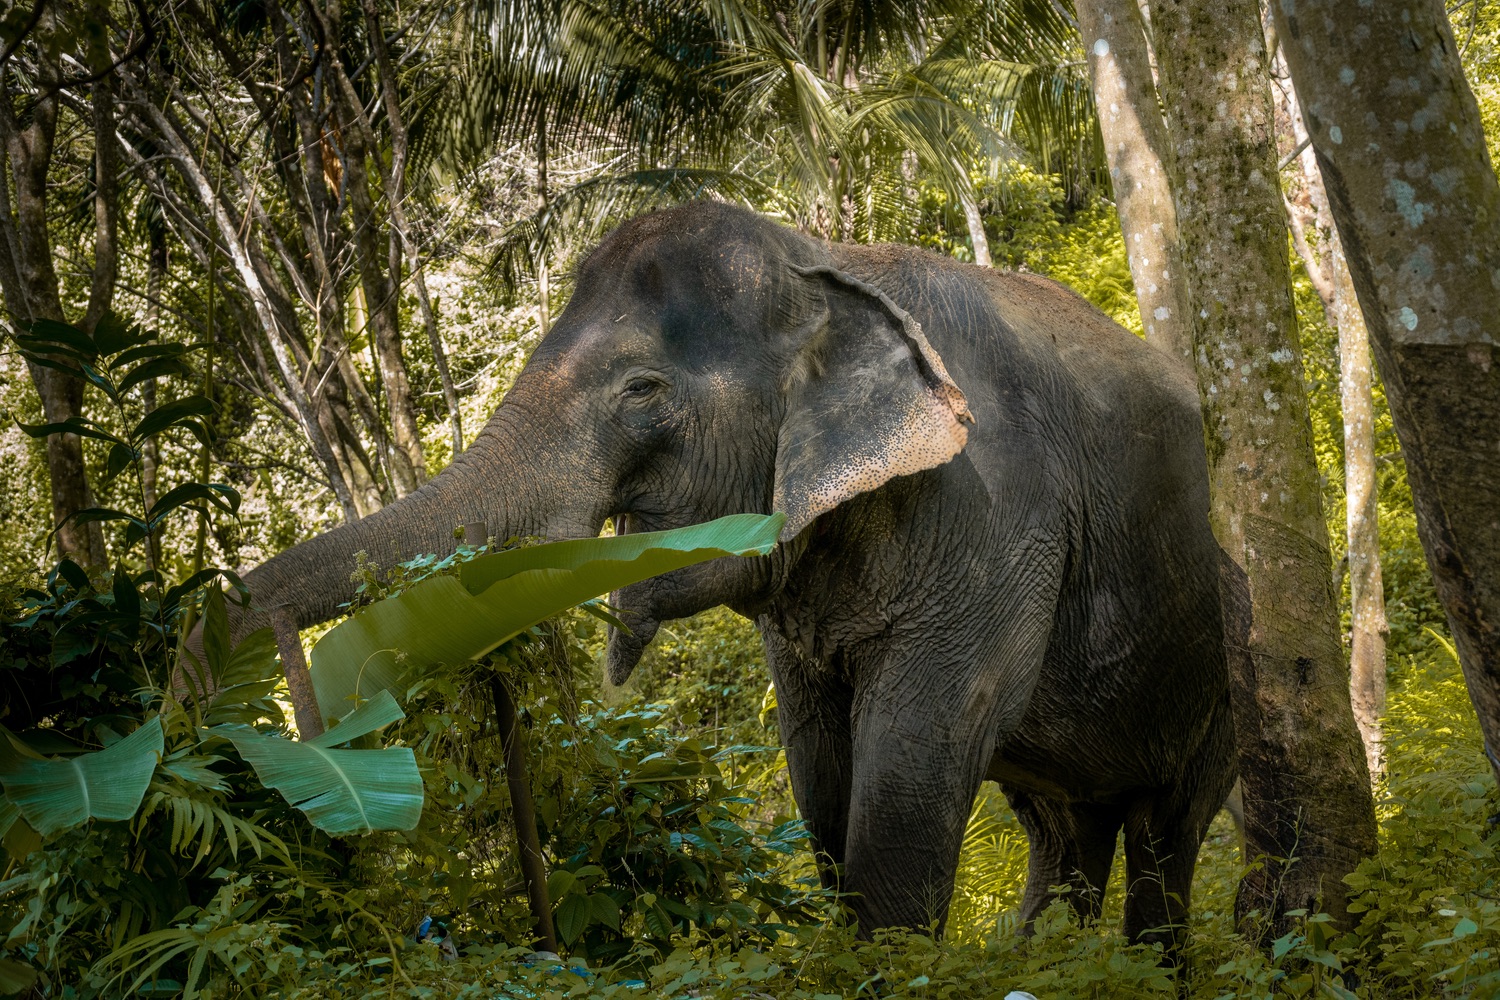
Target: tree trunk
[362,153]
[1367,629]
[1135,144]
[402,243]
[156,279]
[1308,811]
[1402,151]
[1330,277]
[35,292]
[977,236]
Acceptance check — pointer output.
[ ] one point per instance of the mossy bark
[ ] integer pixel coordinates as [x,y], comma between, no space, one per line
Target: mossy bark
[1401,148]
[1309,816]
[1135,144]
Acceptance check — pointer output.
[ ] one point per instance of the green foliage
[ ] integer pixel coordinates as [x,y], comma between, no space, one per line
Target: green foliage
[653,839]
[709,675]
[116,359]
[163,852]
[343,792]
[53,795]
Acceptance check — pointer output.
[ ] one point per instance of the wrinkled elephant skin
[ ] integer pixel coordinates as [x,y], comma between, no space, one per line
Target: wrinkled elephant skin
[997,560]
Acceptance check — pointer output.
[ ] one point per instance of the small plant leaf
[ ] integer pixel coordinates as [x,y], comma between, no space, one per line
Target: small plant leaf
[155,368]
[81,426]
[171,414]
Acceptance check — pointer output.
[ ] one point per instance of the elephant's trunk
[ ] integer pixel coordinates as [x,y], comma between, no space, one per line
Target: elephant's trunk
[521,476]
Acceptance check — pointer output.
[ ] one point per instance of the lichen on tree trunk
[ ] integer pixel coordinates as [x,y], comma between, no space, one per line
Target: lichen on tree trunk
[1135,144]
[1308,811]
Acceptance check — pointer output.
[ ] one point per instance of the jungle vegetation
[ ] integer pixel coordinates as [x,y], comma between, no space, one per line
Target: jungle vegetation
[267,266]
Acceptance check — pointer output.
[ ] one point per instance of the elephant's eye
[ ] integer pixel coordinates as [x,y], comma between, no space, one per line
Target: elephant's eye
[639,386]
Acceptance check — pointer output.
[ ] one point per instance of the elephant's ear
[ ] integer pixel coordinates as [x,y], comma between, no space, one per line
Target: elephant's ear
[868,399]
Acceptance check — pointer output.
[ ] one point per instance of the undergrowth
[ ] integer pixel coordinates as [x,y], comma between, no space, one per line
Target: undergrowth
[1427,905]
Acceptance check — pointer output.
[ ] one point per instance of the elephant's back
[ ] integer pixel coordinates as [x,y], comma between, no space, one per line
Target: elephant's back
[1019,335]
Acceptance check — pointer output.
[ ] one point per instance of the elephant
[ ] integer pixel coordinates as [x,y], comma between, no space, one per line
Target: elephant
[997,561]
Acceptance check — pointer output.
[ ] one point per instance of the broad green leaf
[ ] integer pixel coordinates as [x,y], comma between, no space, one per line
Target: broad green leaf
[58,794]
[8,815]
[449,619]
[375,714]
[343,792]
[572,917]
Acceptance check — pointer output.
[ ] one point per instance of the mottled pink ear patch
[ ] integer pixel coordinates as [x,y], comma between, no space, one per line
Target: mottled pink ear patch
[928,435]
[884,406]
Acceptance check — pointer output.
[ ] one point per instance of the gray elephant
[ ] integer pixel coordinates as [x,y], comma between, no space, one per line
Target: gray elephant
[996,564]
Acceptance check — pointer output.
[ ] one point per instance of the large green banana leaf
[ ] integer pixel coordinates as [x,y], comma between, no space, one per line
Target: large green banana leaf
[54,794]
[342,792]
[449,619]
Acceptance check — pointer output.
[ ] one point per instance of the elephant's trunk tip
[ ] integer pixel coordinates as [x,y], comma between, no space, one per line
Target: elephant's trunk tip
[626,648]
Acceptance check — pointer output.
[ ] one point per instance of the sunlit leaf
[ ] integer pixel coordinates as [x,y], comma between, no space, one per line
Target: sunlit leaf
[450,619]
[342,792]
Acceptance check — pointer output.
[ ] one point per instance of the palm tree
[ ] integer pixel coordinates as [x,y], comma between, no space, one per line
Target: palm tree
[825,113]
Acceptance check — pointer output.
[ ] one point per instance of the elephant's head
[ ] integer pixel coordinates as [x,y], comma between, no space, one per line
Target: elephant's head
[710,362]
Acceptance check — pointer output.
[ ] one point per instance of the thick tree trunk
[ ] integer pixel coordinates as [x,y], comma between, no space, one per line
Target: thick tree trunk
[1135,144]
[1308,811]
[34,294]
[1402,151]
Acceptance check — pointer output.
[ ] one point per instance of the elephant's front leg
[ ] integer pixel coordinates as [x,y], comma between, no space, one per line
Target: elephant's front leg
[924,732]
[812,707]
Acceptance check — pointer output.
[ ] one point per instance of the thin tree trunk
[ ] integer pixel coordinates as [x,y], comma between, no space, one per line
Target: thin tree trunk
[265,309]
[35,295]
[156,277]
[409,467]
[977,236]
[1330,278]
[1401,147]
[299,683]
[1135,144]
[544,291]
[1308,812]
[401,237]
[1368,627]
[523,812]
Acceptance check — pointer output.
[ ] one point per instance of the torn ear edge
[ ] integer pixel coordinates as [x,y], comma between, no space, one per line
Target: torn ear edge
[929,431]
[940,382]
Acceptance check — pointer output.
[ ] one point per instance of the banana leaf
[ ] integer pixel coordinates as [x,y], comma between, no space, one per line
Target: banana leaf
[343,792]
[57,794]
[453,619]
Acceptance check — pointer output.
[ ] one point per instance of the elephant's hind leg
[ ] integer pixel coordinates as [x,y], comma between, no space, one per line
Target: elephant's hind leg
[1070,844]
[1163,833]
